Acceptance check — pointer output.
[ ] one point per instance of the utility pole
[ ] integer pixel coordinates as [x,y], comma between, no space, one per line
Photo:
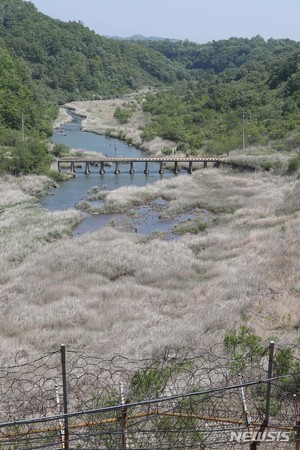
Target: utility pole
[243,116]
[23,134]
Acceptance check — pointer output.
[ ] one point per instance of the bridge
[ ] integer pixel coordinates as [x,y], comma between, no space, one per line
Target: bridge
[107,161]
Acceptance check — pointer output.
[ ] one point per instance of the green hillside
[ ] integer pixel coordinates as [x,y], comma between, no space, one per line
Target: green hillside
[46,62]
[253,79]
[206,93]
[68,61]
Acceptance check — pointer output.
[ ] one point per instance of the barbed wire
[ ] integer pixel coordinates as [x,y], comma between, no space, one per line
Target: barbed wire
[183,399]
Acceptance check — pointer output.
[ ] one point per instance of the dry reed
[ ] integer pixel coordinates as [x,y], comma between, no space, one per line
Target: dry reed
[116,292]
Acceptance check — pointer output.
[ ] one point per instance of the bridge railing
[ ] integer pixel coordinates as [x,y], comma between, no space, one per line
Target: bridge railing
[186,163]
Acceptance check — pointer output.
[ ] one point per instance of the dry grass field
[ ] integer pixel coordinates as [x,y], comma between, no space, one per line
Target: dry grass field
[114,292]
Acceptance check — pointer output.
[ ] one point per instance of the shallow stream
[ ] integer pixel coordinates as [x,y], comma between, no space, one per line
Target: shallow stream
[147,218]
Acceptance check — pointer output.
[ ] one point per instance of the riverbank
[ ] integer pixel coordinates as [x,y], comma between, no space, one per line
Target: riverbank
[99,118]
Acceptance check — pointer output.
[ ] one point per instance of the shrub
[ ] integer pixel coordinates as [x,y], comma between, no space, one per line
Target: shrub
[191,226]
[30,157]
[267,165]
[56,175]
[278,166]
[148,134]
[60,150]
[243,345]
[122,114]
[10,138]
[294,164]
[167,151]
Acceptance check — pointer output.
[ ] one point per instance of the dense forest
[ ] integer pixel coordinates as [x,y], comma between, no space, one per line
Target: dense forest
[232,81]
[205,91]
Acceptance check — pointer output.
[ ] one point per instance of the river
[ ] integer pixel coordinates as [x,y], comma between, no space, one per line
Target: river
[76,189]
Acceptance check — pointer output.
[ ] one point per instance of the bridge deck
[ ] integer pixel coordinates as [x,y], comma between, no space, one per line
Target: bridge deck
[131,159]
[103,161]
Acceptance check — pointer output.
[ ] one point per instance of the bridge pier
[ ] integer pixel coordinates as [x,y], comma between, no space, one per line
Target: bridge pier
[87,168]
[102,171]
[205,164]
[190,169]
[58,166]
[176,170]
[161,168]
[72,168]
[117,169]
[146,170]
[131,170]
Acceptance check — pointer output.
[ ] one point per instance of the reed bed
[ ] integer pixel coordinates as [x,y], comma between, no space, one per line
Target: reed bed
[117,292]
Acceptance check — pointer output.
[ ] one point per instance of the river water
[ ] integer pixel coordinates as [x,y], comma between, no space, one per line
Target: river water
[77,189]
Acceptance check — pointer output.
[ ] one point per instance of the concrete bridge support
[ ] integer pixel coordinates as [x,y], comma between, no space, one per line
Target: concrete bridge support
[102,171]
[117,169]
[146,170]
[131,170]
[161,168]
[72,168]
[205,164]
[87,168]
[176,170]
[190,169]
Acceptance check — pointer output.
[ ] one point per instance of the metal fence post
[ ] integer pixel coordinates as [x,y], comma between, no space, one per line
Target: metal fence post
[268,393]
[248,418]
[268,396]
[298,433]
[124,418]
[60,421]
[65,397]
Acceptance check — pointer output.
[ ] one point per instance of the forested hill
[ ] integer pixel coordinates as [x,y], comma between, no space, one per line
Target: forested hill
[47,62]
[69,61]
[251,78]
[217,56]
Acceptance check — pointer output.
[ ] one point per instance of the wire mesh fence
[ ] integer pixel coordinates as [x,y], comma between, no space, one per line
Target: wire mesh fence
[184,399]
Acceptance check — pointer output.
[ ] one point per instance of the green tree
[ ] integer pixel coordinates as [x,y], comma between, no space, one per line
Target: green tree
[29,157]
[243,346]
